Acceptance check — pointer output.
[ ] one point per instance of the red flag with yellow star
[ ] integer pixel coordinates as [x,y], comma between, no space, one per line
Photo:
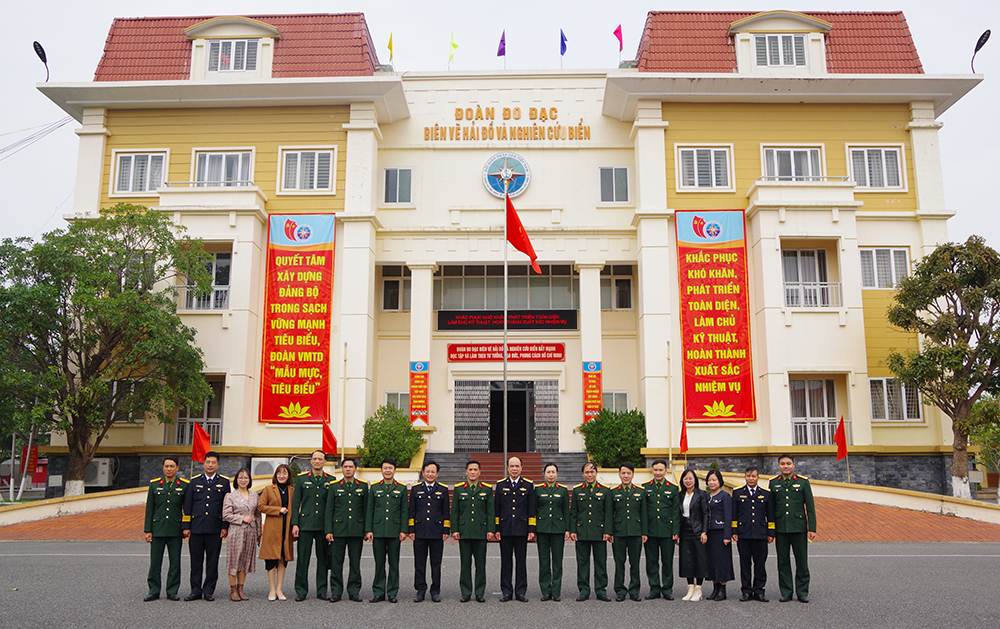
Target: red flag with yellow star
[517,237]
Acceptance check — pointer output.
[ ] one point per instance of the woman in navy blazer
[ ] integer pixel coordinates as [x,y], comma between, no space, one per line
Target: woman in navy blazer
[720,536]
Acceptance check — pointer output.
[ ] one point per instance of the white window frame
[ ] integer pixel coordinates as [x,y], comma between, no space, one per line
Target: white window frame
[610,280]
[904,401]
[213,425]
[628,185]
[679,149]
[791,148]
[781,61]
[519,288]
[284,151]
[405,283]
[870,276]
[130,420]
[819,430]
[224,150]
[901,151]
[113,182]
[233,43]
[385,186]
[615,395]
[398,395]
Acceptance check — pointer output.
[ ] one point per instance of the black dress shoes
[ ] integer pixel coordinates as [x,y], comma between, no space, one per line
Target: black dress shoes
[173,597]
[299,598]
[505,598]
[377,599]
[746,597]
[392,599]
[192,597]
[436,598]
[522,599]
[335,598]
[721,594]
[785,599]
[582,597]
[323,596]
[151,597]
[762,598]
[604,598]
[480,599]
[635,597]
[556,598]
[465,599]
[208,597]
[667,596]
[803,599]
[652,595]
[545,597]
[355,598]
[419,598]
[619,598]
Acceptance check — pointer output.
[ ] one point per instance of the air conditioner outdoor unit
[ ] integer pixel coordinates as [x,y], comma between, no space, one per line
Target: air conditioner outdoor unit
[265,467]
[98,473]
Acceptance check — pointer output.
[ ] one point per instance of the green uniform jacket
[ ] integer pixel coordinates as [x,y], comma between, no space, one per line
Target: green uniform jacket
[165,507]
[551,508]
[346,508]
[472,510]
[309,501]
[386,514]
[663,509]
[794,511]
[628,506]
[590,512]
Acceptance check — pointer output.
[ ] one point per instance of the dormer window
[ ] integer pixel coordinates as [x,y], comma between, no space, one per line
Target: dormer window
[780,50]
[232,55]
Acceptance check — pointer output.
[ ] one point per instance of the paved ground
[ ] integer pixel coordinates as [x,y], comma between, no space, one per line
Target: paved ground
[838,522]
[912,585]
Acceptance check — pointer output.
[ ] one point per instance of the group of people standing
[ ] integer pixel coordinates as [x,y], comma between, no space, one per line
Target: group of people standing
[334,517]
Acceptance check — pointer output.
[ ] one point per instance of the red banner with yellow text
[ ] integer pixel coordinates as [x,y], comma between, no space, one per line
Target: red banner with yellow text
[715,316]
[295,366]
[593,391]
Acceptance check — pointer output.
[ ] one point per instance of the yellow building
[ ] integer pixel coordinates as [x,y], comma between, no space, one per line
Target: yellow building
[820,129]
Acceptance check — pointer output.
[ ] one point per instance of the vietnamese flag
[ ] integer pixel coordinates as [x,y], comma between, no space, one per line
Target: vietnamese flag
[517,237]
[201,444]
[329,441]
[684,437]
[840,438]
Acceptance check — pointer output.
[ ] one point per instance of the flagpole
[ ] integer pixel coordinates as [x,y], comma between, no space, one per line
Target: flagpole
[670,416]
[343,407]
[503,348]
[848,457]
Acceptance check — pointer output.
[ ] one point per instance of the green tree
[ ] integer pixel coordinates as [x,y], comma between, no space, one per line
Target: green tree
[613,438]
[952,301]
[389,434]
[89,330]
[984,431]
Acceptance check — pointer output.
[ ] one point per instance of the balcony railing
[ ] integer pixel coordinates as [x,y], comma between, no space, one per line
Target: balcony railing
[233,183]
[818,432]
[189,299]
[181,432]
[812,295]
[802,178]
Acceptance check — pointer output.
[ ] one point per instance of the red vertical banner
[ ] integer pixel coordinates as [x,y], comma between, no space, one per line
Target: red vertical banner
[295,366]
[593,393]
[29,460]
[419,379]
[715,316]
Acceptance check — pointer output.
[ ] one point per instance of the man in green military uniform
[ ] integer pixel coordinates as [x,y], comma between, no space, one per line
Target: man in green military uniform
[309,525]
[346,508]
[628,507]
[590,527]
[386,524]
[472,524]
[551,532]
[794,524]
[663,526]
[164,514]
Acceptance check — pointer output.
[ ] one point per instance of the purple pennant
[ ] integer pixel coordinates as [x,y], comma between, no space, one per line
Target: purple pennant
[502,49]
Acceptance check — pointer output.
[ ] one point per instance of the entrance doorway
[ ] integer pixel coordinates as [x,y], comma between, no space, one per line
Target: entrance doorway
[520,416]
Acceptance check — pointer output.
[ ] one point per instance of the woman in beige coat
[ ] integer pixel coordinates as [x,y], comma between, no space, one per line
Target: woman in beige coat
[276,543]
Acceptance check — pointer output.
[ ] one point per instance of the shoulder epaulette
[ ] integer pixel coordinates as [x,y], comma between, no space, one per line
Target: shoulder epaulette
[528,480]
[579,486]
[360,480]
[486,485]
[335,481]
[197,476]
[303,473]
[558,485]
[224,476]
[155,480]
[462,484]
[650,482]
[501,480]
[184,480]
[537,485]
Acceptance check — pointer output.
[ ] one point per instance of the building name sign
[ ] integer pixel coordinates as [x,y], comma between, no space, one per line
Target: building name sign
[469,352]
[516,319]
[514,125]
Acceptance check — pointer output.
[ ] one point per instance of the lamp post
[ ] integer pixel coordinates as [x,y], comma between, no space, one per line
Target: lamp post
[982,42]
[41,55]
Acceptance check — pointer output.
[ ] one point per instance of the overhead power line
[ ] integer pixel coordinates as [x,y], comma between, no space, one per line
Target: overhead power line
[27,141]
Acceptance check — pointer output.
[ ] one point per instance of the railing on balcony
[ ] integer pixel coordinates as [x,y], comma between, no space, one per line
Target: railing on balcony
[812,295]
[181,432]
[189,299]
[232,183]
[818,432]
[802,178]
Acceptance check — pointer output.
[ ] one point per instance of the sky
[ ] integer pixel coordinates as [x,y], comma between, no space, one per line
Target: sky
[38,181]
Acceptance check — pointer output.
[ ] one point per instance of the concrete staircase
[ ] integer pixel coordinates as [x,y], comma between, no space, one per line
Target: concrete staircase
[453,465]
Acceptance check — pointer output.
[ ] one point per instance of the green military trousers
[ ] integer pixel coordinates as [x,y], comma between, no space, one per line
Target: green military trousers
[386,548]
[627,547]
[599,549]
[352,546]
[660,551]
[550,563]
[173,546]
[799,544]
[306,539]
[469,550]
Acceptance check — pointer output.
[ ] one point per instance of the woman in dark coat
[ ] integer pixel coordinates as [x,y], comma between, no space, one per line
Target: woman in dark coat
[720,536]
[694,534]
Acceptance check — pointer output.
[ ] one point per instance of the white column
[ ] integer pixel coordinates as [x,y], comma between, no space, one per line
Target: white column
[90,161]
[590,310]
[928,179]
[421,315]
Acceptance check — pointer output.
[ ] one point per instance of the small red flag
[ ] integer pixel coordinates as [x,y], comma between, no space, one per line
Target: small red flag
[684,437]
[840,438]
[618,34]
[517,237]
[329,441]
[201,444]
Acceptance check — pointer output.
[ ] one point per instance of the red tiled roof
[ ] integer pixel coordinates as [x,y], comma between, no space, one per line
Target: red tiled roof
[699,41]
[156,48]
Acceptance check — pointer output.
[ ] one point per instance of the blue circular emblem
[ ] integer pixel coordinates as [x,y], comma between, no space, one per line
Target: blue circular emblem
[713,230]
[303,233]
[506,172]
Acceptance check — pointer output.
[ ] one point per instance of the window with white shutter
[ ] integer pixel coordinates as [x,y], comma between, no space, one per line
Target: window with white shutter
[892,401]
[877,168]
[233,55]
[229,168]
[780,50]
[704,168]
[139,173]
[793,164]
[308,170]
[883,268]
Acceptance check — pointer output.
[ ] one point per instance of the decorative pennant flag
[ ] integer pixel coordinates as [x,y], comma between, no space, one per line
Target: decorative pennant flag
[390,46]
[451,50]
[201,444]
[562,42]
[840,438]
[329,441]
[517,237]
[502,49]
[684,437]
[618,34]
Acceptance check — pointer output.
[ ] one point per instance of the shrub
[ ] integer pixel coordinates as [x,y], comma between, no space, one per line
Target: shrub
[714,467]
[389,434]
[611,438]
